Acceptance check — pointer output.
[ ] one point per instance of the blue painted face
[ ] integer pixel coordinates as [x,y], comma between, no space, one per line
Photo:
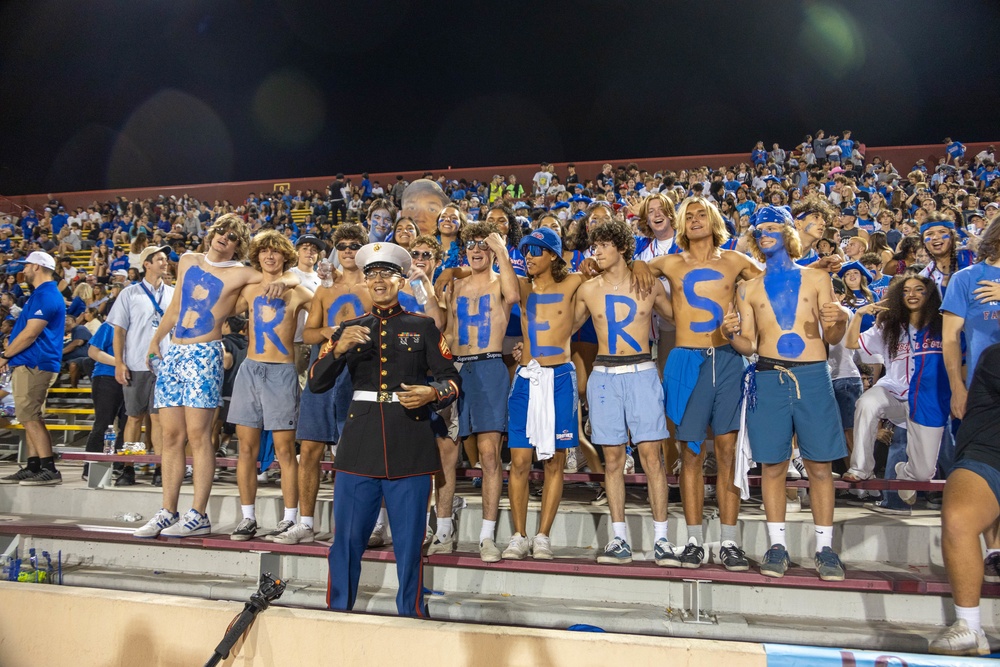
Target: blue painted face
[779,241]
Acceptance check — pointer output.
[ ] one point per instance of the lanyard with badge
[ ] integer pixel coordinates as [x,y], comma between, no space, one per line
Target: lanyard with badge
[156,304]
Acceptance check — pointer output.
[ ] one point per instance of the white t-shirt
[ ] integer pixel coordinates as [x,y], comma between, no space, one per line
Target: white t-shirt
[541,181]
[310,281]
[898,369]
[841,362]
[657,249]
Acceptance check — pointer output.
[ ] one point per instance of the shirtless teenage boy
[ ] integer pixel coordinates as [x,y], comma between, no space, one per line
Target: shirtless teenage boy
[624,390]
[266,389]
[701,379]
[480,309]
[788,316]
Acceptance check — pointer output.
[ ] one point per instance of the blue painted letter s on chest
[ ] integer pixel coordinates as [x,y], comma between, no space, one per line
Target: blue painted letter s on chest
[691,281]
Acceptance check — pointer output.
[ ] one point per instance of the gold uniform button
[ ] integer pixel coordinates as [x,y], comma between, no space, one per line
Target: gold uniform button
[384,333]
[384,346]
[384,386]
[409,349]
[351,416]
[385,372]
[384,322]
[384,360]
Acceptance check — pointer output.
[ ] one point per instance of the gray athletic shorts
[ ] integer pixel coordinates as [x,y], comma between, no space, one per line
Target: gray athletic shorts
[265,395]
[139,394]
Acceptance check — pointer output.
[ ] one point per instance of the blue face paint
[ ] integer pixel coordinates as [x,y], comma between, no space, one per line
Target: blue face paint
[202,306]
[616,327]
[409,303]
[782,282]
[266,328]
[339,303]
[481,320]
[535,325]
[779,241]
[691,281]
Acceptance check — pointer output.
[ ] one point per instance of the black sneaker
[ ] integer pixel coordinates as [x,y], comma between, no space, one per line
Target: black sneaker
[247,530]
[43,477]
[692,555]
[934,499]
[157,477]
[733,558]
[127,478]
[18,477]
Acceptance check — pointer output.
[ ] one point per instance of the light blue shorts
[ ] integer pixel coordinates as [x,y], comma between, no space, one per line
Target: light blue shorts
[322,416]
[626,403]
[190,376]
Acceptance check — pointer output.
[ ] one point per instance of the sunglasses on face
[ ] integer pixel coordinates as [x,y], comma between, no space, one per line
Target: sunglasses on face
[535,250]
[232,236]
[348,246]
[469,245]
[425,255]
[383,274]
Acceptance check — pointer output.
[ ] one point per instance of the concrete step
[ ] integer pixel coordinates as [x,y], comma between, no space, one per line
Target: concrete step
[860,535]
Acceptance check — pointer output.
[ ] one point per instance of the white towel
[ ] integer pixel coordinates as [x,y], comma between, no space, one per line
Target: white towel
[541,423]
[744,458]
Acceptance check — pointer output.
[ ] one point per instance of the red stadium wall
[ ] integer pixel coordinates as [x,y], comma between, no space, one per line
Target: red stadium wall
[903,157]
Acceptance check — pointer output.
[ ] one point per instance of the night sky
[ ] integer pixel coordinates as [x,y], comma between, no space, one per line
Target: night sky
[102,95]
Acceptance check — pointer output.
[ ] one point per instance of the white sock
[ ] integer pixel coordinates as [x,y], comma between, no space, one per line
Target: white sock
[249,512]
[445,528]
[290,513]
[618,527]
[776,533]
[428,520]
[971,617]
[659,530]
[824,537]
[306,521]
[486,532]
[990,552]
[383,517]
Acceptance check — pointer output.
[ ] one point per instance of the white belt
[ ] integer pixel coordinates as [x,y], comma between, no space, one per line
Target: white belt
[628,368]
[376,396]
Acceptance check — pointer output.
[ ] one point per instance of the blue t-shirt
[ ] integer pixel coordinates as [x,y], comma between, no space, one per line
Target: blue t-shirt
[76,307]
[956,149]
[45,303]
[846,148]
[982,320]
[121,263]
[878,287]
[104,341]
[866,224]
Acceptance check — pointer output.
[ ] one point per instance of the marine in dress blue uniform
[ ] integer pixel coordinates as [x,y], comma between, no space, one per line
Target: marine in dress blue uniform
[387,449]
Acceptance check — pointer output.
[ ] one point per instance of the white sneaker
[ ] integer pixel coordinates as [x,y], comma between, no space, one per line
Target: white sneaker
[282,526]
[541,548]
[711,465]
[960,639]
[800,467]
[793,471]
[572,459]
[488,551]
[517,548]
[379,537]
[193,524]
[161,520]
[439,546]
[300,533]
[629,464]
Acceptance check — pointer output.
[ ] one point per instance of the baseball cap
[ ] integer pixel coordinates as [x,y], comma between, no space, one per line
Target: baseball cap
[152,250]
[120,272]
[543,237]
[310,238]
[383,255]
[41,259]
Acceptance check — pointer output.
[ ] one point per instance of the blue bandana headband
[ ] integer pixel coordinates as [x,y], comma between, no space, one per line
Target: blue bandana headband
[936,223]
[779,214]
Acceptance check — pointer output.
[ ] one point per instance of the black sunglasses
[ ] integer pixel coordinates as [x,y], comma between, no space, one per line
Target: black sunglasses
[426,254]
[348,246]
[469,245]
[232,236]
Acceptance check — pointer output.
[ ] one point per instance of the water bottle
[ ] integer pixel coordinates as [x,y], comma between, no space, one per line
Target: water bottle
[154,364]
[419,291]
[109,440]
[326,269]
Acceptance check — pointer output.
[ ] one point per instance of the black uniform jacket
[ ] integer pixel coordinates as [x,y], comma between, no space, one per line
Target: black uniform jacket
[382,438]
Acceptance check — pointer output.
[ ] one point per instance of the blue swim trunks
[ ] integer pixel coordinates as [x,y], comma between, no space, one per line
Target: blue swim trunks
[322,416]
[565,396]
[797,400]
[626,401]
[484,378]
[190,376]
[714,393]
[984,470]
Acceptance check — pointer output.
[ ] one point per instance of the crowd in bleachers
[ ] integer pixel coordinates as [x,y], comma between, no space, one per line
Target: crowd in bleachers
[901,242]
